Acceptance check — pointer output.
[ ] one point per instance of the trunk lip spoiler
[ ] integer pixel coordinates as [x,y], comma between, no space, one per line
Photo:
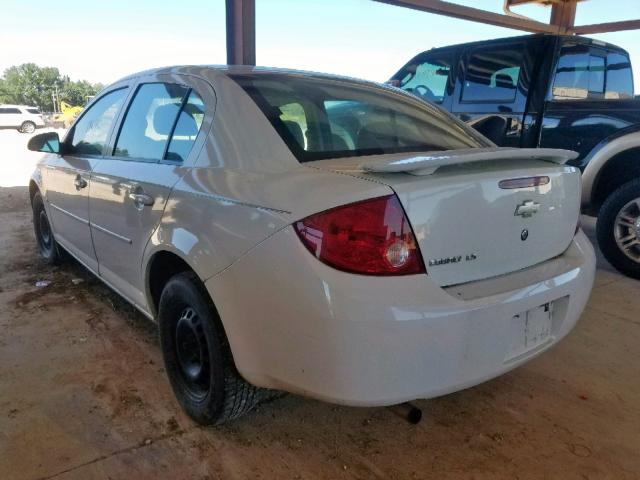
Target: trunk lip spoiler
[429,162]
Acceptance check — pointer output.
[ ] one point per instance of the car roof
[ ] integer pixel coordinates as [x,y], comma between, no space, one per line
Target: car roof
[226,70]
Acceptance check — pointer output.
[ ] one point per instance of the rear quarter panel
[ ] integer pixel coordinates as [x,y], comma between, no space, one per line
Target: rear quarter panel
[245,186]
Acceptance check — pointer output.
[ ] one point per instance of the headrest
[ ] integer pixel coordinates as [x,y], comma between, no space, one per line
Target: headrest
[163,118]
[504,81]
[375,134]
[295,130]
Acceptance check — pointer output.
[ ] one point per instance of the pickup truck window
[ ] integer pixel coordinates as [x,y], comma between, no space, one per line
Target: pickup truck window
[492,74]
[579,74]
[186,129]
[619,77]
[428,77]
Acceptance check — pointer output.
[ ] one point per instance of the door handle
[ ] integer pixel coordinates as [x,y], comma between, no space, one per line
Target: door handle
[141,199]
[79,182]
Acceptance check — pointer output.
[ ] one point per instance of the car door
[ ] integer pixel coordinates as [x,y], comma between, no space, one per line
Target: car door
[4,117]
[150,153]
[10,117]
[493,92]
[66,176]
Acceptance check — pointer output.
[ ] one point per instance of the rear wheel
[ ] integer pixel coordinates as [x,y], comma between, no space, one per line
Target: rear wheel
[618,229]
[197,355]
[47,245]
[27,127]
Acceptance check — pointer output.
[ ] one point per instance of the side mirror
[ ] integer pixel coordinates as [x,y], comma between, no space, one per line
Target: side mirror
[45,142]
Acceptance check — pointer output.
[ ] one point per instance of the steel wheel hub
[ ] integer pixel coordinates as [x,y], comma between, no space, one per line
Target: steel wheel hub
[192,351]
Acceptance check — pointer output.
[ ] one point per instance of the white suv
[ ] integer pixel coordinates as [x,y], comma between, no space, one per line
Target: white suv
[26,119]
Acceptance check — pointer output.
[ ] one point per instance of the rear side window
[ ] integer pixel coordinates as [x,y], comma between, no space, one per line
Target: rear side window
[427,77]
[162,122]
[187,128]
[9,110]
[149,121]
[619,77]
[579,74]
[492,74]
[90,133]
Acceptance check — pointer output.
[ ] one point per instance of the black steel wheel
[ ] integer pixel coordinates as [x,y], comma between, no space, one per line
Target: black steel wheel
[45,240]
[197,355]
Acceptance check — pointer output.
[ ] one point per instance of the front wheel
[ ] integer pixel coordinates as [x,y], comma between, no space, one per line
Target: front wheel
[618,229]
[47,245]
[197,355]
[27,127]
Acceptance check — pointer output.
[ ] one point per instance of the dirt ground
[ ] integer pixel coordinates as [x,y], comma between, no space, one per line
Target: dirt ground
[83,395]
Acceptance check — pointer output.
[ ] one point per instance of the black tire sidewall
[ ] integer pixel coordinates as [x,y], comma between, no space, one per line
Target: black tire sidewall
[52,255]
[605,228]
[181,292]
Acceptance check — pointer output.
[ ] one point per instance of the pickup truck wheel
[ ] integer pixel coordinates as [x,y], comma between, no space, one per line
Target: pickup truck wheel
[197,355]
[47,245]
[27,127]
[618,229]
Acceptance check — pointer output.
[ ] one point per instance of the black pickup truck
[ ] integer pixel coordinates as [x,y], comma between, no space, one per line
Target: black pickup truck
[551,91]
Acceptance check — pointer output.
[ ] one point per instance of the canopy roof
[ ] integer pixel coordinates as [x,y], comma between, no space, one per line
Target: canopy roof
[241,29]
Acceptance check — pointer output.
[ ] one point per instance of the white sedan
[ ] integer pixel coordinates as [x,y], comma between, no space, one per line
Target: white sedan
[315,234]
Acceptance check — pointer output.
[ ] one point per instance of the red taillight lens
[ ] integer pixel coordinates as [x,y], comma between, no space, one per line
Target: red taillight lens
[372,237]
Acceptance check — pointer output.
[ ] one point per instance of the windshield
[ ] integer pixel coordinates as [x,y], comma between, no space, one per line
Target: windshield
[323,118]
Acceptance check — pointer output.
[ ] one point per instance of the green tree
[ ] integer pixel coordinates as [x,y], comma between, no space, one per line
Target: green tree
[29,84]
[76,93]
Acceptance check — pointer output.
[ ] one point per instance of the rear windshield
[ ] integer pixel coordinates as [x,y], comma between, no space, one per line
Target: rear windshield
[322,118]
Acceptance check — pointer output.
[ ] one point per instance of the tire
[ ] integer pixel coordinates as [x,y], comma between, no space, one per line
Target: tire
[197,356]
[618,229]
[47,245]
[27,127]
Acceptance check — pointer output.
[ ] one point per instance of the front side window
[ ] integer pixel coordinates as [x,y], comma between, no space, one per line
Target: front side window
[35,111]
[90,133]
[150,120]
[619,77]
[427,77]
[492,74]
[579,74]
[322,118]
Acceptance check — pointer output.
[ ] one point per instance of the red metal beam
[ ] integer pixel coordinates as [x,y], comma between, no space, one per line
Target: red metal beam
[606,27]
[241,32]
[563,16]
[473,14]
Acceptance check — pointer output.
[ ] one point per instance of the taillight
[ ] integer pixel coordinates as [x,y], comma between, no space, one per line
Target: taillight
[372,237]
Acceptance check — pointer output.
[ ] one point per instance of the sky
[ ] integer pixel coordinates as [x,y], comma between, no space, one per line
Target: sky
[103,41]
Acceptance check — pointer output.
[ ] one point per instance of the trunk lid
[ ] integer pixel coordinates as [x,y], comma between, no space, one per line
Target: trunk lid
[468,224]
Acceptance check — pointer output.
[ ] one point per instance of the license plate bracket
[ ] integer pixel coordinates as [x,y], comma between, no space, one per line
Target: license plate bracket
[530,329]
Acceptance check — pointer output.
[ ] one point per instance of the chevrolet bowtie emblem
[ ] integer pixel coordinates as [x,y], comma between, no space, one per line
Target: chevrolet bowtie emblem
[527,209]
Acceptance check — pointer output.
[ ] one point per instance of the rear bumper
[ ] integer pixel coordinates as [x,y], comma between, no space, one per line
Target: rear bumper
[297,325]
